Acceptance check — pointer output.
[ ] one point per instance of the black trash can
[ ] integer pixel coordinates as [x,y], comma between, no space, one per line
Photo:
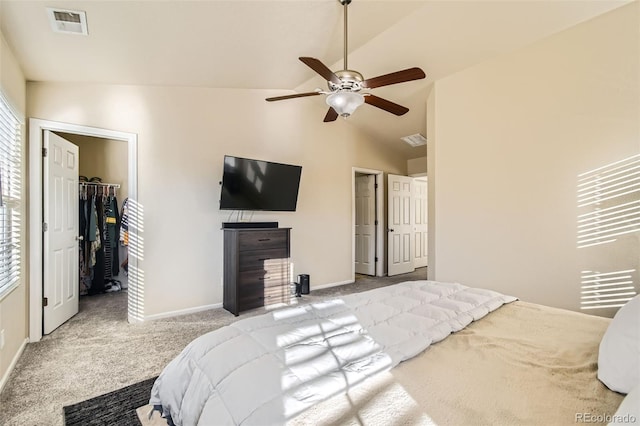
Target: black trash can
[303,282]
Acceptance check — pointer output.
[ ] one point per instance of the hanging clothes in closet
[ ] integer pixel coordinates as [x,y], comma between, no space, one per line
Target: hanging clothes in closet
[98,224]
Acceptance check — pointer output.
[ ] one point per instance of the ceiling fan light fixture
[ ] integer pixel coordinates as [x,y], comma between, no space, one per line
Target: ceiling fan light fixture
[345,84]
[345,102]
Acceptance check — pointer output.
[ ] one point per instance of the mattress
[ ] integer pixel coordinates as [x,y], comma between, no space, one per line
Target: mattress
[521,364]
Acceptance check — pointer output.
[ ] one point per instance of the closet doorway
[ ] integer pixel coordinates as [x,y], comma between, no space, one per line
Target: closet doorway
[111,154]
[103,186]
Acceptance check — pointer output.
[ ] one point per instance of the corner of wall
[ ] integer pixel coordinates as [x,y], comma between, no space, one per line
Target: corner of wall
[431,175]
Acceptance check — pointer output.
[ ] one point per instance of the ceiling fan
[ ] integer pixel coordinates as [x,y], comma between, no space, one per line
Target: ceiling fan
[345,85]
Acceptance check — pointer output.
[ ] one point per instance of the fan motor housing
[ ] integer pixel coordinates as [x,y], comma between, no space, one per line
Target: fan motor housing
[350,80]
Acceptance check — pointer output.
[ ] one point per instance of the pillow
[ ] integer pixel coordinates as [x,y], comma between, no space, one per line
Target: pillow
[619,355]
[629,410]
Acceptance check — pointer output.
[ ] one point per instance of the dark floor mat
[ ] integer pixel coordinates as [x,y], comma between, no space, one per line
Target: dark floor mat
[113,408]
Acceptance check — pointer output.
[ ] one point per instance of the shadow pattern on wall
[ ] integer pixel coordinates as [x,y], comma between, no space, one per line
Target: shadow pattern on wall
[608,234]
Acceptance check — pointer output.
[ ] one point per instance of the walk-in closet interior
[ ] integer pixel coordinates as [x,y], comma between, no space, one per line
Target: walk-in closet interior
[103,214]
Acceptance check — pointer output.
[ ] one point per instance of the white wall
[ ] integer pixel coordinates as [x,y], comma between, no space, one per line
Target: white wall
[13,308]
[511,137]
[183,134]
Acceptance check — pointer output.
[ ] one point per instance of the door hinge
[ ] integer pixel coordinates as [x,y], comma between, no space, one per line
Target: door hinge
[375,259]
[45,301]
[45,227]
[375,222]
[44,152]
[375,185]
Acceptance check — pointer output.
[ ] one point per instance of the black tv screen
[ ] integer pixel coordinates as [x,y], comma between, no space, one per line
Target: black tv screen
[259,185]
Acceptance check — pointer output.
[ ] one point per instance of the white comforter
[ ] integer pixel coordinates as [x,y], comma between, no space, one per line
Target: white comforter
[267,369]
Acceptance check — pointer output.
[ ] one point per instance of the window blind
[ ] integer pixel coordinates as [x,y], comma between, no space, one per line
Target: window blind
[10,197]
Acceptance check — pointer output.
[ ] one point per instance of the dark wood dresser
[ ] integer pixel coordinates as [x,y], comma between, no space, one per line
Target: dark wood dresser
[256,268]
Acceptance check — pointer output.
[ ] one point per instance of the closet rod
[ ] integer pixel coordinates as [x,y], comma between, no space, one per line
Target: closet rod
[111,185]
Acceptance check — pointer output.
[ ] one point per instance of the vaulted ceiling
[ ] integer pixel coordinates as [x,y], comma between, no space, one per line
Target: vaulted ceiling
[256,44]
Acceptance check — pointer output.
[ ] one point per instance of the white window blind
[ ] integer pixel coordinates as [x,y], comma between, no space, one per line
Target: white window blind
[10,197]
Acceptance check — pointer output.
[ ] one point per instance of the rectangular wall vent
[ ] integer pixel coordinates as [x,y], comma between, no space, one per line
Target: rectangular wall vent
[68,21]
[415,140]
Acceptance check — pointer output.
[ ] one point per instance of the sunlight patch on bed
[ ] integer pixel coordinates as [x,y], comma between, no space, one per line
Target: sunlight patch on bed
[362,405]
[326,353]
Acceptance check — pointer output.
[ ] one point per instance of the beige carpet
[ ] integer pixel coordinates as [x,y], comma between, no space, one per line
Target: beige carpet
[97,351]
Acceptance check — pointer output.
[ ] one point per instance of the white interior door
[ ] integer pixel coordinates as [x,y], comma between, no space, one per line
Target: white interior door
[419,222]
[400,225]
[365,225]
[60,241]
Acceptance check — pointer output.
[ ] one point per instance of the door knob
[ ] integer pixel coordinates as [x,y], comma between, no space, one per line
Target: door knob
[391,230]
[80,238]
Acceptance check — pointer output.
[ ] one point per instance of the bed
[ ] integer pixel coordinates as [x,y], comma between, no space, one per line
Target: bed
[388,356]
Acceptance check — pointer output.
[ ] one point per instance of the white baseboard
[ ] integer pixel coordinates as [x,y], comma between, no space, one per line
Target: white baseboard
[14,361]
[321,286]
[219,305]
[182,312]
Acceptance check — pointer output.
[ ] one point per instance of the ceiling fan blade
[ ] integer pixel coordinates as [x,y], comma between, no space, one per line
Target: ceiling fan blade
[385,105]
[321,69]
[394,78]
[331,115]
[297,95]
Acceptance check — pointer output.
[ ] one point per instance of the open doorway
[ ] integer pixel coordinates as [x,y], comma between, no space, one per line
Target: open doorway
[37,130]
[367,222]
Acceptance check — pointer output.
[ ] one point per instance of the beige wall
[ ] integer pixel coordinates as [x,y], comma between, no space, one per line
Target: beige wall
[183,134]
[431,184]
[13,308]
[417,166]
[511,137]
[11,77]
[105,158]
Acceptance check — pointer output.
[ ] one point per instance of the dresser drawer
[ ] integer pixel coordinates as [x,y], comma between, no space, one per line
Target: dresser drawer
[273,277]
[246,304]
[252,294]
[259,240]
[263,259]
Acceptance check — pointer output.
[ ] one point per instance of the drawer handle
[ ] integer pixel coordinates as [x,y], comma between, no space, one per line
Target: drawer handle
[263,278]
[264,239]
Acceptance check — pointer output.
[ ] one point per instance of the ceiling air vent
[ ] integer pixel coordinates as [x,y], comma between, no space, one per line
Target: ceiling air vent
[415,140]
[68,21]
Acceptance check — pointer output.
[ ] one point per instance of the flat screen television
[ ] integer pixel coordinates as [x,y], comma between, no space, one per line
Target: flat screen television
[259,185]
